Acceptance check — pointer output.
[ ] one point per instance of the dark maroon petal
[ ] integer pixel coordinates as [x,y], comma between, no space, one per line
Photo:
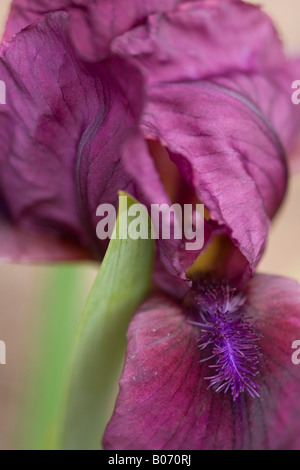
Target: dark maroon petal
[203,39]
[164,403]
[227,133]
[61,132]
[173,257]
[94,24]
[271,93]
[233,44]
[274,303]
[227,150]
[100,21]
[23,246]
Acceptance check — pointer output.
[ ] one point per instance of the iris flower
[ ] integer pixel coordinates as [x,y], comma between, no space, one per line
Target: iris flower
[179,102]
[171,101]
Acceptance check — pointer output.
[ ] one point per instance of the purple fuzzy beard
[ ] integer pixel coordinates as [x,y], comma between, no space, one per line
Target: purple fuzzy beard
[217,311]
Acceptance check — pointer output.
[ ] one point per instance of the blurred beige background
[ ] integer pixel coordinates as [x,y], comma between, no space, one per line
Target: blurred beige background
[22,288]
[4,8]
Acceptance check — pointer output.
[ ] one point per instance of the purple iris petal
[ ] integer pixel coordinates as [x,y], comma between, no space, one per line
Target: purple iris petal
[61,133]
[271,93]
[203,39]
[164,402]
[227,151]
[173,258]
[219,120]
[25,246]
[93,24]
[219,99]
[233,44]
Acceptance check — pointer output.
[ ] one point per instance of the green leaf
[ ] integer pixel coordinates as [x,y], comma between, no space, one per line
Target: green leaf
[51,354]
[122,283]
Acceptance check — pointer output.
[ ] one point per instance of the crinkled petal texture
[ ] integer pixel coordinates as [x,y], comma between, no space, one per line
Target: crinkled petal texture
[271,93]
[219,100]
[226,150]
[172,40]
[61,134]
[98,21]
[203,39]
[232,43]
[164,403]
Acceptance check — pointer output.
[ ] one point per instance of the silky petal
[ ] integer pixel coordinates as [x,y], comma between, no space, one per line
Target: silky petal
[164,403]
[99,22]
[94,24]
[227,151]
[62,131]
[203,39]
[271,93]
[173,257]
[230,43]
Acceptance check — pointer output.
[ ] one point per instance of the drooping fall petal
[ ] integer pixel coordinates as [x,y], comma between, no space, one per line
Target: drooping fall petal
[227,151]
[25,246]
[164,402]
[219,100]
[61,133]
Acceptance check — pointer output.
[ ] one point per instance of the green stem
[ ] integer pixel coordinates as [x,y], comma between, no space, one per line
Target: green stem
[122,283]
